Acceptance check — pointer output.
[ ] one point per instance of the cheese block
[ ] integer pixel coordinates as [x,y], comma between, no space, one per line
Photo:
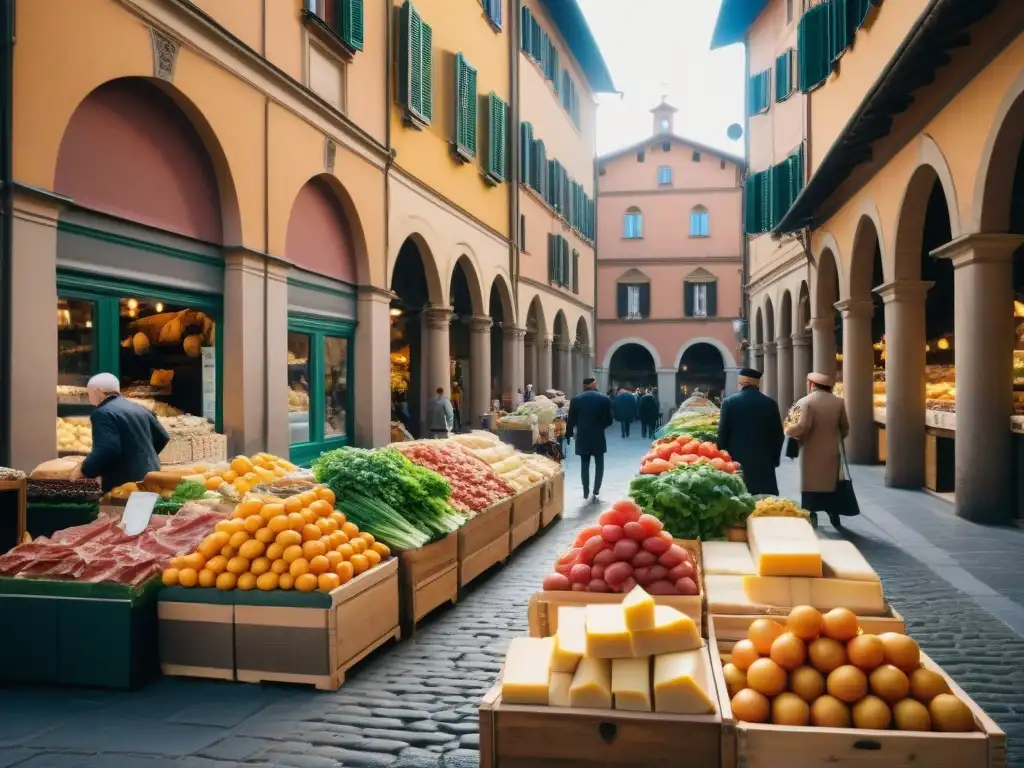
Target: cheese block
[639,609]
[841,559]
[672,631]
[865,598]
[726,558]
[784,546]
[681,683]
[607,635]
[760,594]
[527,673]
[558,689]
[570,638]
[631,684]
[785,528]
[592,684]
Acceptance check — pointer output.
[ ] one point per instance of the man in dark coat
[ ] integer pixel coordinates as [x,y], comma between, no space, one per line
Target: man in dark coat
[750,429]
[647,410]
[624,406]
[590,414]
[126,438]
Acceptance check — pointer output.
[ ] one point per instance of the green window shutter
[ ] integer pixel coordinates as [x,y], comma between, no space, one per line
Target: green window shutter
[575,271]
[409,56]
[784,75]
[349,16]
[526,30]
[465,105]
[750,205]
[525,152]
[565,262]
[760,93]
[551,258]
[812,42]
[497,111]
[712,299]
[687,299]
[765,209]
[839,37]
[540,169]
[427,72]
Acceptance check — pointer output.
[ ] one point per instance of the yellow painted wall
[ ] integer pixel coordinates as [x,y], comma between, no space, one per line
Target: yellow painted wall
[458,26]
[242,18]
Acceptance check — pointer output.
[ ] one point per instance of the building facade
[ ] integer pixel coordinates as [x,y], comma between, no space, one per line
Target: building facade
[669,274]
[912,219]
[259,213]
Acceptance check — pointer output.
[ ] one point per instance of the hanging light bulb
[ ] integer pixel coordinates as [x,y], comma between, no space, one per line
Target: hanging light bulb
[133,304]
[943,344]
[927,347]
[159,306]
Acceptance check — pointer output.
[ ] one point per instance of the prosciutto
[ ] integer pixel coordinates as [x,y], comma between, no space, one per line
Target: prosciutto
[101,551]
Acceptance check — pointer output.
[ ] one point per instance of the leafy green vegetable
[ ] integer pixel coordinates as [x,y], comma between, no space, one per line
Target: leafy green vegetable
[694,501]
[387,525]
[186,491]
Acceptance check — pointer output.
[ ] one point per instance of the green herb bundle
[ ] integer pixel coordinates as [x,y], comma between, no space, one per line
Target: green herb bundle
[694,501]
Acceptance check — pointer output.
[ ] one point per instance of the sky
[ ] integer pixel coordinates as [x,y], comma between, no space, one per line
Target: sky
[663,47]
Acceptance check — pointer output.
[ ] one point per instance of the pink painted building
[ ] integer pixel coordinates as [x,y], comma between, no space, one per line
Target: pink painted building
[669,265]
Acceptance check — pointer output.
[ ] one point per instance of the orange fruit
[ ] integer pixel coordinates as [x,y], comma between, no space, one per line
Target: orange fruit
[334,557]
[345,571]
[325,493]
[253,523]
[296,521]
[319,564]
[265,535]
[308,497]
[259,566]
[310,533]
[170,577]
[178,562]
[230,476]
[228,551]
[279,523]
[266,581]
[346,551]
[246,581]
[195,561]
[274,551]
[273,510]
[237,565]
[226,580]
[328,581]
[336,539]
[339,518]
[238,539]
[299,566]
[209,546]
[250,505]
[217,564]
[293,504]
[241,465]
[252,549]
[372,557]
[285,581]
[381,549]
[311,549]
[213,483]
[351,530]
[306,582]
[308,515]
[358,544]
[279,566]
[241,486]
[321,507]
[207,578]
[252,478]
[368,538]
[225,526]
[288,538]
[188,577]
[292,553]
[360,564]
[326,526]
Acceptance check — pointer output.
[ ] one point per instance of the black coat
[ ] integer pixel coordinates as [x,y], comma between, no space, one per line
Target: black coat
[625,407]
[648,408]
[750,429]
[590,414]
[126,442]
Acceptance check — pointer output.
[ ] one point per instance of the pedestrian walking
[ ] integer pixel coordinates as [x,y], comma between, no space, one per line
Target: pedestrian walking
[440,415]
[625,410]
[750,429]
[456,409]
[819,422]
[647,410]
[590,414]
[528,396]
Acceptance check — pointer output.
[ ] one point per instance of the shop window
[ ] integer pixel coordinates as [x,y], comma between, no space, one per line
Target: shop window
[319,385]
[76,348]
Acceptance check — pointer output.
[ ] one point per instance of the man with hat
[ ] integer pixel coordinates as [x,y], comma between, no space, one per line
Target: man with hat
[750,429]
[820,424]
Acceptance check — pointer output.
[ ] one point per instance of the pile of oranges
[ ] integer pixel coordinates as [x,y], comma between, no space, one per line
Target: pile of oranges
[301,543]
[244,473]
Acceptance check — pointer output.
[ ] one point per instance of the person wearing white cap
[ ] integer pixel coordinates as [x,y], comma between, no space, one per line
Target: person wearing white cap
[750,429]
[819,422]
[126,438]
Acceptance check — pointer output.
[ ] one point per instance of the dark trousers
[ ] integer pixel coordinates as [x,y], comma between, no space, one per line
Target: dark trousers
[598,472]
[647,428]
[625,428]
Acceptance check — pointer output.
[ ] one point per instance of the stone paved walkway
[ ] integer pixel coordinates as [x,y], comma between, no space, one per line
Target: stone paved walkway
[413,705]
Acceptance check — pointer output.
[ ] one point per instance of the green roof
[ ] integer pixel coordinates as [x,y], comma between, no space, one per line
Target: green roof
[577,35]
[734,19]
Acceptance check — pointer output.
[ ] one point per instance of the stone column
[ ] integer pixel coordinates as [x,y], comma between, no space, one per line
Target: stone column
[373,364]
[904,376]
[823,332]
[601,374]
[668,393]
[480,370]
[575,372]
[858,387]
[982,295]
[784,391]
[278,435]
[245,358]
[770,380]
[731,381]
[801,364]
[563,366]
[588,364]
[530,362]
[757,357]
[544,380]
[513,378]
[437,370]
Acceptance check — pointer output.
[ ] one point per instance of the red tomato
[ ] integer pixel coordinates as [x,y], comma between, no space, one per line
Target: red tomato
[718,463]
[725,455]
[585,534]
[707,449]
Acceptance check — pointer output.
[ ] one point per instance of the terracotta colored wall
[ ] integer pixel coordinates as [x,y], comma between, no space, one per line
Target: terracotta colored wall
[130,152]
[626,174]
[666,281]
[458,26]
[318,235]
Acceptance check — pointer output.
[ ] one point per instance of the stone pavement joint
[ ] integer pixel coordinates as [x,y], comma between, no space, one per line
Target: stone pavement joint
[414,704]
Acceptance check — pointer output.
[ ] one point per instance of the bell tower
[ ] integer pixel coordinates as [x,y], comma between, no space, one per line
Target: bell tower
[664,118]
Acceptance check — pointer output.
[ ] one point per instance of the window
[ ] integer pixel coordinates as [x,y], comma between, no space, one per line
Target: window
[319,385]
[665,125]
[633,225]
[641,157]
[757,209]
[415,59]
[699,222]
[771,193]
[570,98]
[497,113]
[551,62]
[664,175]
[700,299]
[666,146]
[539,174]
[465,108]
[721,164]
[558,260]
[634,301]
[824,33]
[575,271]
[696,156]
[493,10]
[784,80]
[344,18]
[526,153]
[759,97]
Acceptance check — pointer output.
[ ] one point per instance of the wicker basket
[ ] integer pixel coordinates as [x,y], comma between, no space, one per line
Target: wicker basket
[177,451]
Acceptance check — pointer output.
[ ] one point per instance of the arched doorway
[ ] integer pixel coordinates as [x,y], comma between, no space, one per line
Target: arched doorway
[581,355]
[802,343]
[537,356]
[467,332]
[701,371]
[785,353]
[770,380]
[632,365]
[561,350]
[826,329]
[758,358]
[504,382]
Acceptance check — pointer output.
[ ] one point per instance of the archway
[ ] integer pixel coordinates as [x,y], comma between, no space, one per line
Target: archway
[467,322]
[412,344]
[701,371]
[785,353]
[802,340]
[758,358]
[537,360]
[825,326]
[502,312]
[582,360]
[561,348]
[770,379]
[319,237]
[632,365]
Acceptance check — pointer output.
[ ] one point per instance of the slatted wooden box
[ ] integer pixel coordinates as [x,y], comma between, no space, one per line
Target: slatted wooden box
[553,499]
[197,633]
[484,541]
[526,511]
[428,578]
[752,745]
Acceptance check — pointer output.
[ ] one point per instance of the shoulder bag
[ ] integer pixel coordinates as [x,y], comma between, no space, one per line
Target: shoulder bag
[845,497]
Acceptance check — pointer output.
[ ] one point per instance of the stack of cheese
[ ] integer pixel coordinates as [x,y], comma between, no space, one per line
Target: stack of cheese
[613,655]
[786,565]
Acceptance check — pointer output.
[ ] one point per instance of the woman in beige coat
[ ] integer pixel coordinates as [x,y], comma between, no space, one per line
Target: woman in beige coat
[819,422]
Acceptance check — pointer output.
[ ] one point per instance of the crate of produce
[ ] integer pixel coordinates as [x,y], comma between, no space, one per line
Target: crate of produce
[429,578]
[484,541]
[884,738]
[523,532]
[77,633]
[543,607]
[554,499]
[197,633]
[314,638]
[527,504]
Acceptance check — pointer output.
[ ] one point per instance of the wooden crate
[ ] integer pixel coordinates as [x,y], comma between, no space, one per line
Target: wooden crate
[484,541]
[752,745]
[317,645]
[197,639]
[554,500]
[527,504]
[428,578]
[517,736]
[729,629]
[522,532]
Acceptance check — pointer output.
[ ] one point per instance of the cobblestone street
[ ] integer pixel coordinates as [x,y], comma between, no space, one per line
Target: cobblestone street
[414,704]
